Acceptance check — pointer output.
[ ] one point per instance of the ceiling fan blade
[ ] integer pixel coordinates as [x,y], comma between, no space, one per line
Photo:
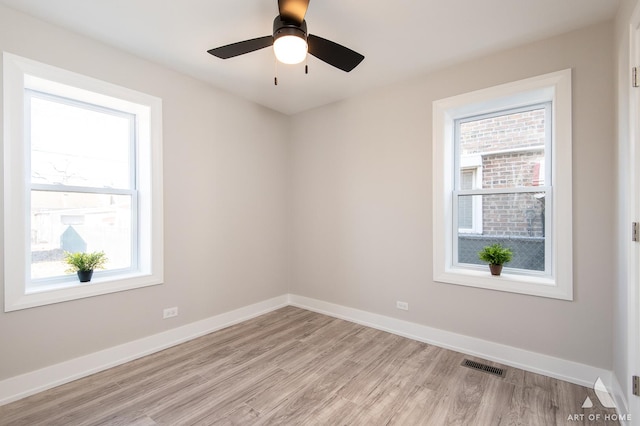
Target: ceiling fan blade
[333,53]
[293,10]
[241,47]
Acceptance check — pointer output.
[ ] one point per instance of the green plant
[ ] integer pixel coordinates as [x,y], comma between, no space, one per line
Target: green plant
[85,261]
[495,254]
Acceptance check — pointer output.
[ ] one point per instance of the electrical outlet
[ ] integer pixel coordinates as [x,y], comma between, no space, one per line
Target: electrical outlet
[170,312]
[402,305]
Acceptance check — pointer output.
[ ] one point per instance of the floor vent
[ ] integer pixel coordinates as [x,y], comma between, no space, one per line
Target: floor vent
[483,367]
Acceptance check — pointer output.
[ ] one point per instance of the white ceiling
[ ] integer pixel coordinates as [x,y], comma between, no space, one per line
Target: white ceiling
[399,39]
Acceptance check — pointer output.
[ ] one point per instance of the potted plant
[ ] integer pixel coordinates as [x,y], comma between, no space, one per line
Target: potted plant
[85,263]
[496,256]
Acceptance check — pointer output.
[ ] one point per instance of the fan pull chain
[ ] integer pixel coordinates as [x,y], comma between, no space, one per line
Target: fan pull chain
[275,71]
[306,64]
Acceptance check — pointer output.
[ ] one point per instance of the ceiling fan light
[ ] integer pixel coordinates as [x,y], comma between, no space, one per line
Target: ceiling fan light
[290,49]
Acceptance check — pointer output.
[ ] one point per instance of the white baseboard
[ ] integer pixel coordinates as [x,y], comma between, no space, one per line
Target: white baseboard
[570,371]
[33,382]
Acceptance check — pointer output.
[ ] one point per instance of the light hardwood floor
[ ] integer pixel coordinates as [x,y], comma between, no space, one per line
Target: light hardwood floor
[292,366]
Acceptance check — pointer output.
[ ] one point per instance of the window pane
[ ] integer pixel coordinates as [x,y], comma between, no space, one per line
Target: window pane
[516,221]
[465,204]
[511,148]
[465,213]
[81,146]
[78,222]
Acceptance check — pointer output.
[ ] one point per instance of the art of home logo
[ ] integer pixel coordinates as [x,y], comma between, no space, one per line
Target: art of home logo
[602,394]
[605,400]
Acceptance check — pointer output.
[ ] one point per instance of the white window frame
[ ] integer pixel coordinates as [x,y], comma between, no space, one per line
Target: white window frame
[20,74]
[558,281]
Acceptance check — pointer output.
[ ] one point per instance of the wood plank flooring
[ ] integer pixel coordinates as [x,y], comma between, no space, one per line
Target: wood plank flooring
[296,367]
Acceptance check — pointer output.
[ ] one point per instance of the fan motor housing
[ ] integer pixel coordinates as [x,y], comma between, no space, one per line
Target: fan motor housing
[282,28]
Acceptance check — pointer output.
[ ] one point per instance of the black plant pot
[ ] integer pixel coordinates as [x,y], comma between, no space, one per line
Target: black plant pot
[85,276]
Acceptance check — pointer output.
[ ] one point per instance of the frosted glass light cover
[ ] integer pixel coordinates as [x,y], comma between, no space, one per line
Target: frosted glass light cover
[290,49]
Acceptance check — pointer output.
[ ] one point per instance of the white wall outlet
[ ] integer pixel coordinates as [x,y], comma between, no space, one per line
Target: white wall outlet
[170,312]
[402,305]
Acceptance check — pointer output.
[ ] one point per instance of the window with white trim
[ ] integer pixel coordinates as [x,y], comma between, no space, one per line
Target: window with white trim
[83,173]
[502,174]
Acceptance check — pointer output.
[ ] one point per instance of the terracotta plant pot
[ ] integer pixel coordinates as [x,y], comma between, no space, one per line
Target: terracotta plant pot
[85,276]
[495,269]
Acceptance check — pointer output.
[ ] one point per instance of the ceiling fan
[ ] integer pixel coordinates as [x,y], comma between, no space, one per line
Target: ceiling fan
[291,42]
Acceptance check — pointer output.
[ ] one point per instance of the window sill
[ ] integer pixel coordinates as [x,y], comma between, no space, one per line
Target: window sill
[542,286]
[73,289]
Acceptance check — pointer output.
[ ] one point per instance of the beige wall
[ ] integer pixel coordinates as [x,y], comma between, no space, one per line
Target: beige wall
[361,204]
[224,194]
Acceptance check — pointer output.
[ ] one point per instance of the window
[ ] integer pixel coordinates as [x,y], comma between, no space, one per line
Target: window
[491,149]
[82,172]
[507,205]
[83,186]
